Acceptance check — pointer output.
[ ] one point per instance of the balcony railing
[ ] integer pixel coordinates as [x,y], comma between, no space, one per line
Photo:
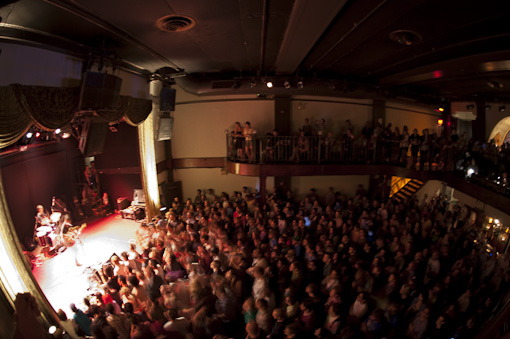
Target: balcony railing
[323,150]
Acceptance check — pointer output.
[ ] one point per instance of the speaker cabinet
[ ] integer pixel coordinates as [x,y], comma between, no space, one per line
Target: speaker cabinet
[93,136]
[99,91]
[167,100]
[165,128]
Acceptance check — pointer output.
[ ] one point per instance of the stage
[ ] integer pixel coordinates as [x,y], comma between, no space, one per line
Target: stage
[62,281]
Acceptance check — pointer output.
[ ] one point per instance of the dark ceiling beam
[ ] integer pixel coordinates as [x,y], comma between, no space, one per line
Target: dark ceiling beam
[307,23]
[347,34]
[80,11]
[467,66]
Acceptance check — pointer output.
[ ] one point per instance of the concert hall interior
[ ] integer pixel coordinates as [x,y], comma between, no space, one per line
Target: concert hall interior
[350,157]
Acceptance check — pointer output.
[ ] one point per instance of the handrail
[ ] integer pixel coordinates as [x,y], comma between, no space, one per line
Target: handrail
[324,150]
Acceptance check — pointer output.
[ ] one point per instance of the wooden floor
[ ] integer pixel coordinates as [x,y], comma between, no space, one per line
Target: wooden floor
[62,280]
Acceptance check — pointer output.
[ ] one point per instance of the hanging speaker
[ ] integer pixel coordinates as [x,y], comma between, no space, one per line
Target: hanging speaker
[99,91]
[167,100]
[93,136]
[165,128]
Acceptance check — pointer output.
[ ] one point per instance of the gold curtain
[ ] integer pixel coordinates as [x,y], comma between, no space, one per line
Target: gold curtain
[148,165]
[15,272]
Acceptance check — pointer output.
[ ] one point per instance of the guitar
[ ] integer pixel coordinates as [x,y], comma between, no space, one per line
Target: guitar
[74,234]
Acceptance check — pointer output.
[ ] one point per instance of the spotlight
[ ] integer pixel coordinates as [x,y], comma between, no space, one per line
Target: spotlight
[57,131]
[37,134]
[502,108]
[440,109]
[66,135]
[300,84]
[269,84]
[286,84]
[29,135]
[440,122]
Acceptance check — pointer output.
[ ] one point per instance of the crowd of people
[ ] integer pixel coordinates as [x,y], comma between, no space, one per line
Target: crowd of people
[325,266]
[426,149]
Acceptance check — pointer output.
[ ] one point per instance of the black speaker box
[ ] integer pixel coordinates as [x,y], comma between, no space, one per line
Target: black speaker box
[93,136]
[99,91]
[165,128]
[167,100]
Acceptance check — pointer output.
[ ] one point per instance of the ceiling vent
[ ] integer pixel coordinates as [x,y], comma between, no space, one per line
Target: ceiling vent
[175,23]
[405,37]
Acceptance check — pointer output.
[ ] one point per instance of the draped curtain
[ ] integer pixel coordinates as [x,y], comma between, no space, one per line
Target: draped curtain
[15,276]
[49,108]
[148,164]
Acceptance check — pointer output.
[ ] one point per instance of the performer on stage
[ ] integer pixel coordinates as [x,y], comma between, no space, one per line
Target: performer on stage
[42,218]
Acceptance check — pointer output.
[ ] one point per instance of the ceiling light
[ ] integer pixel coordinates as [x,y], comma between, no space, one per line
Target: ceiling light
[269,84]
[29,135]
[300,84]
[57,131]
[286,84]
[502,108]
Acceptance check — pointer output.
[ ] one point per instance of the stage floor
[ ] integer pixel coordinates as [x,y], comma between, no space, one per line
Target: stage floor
[62,281]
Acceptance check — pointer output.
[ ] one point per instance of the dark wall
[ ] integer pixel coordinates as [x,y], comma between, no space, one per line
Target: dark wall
[120,149]
[119,163]
[33,177]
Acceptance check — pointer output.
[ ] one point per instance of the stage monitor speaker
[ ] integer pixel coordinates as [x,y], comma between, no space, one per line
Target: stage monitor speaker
[93,136]
[165,128]
[167,100]
[99,91]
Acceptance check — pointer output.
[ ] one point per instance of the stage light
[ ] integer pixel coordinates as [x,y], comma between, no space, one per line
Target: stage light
[286,84]
[29,135]
[440,122]
[57,131]
[37,134]
[300,84]
[269,84]
[440,109]
[502,108]
[66,135]
[52,329]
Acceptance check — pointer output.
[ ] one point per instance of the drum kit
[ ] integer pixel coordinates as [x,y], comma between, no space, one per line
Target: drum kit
[46,234]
